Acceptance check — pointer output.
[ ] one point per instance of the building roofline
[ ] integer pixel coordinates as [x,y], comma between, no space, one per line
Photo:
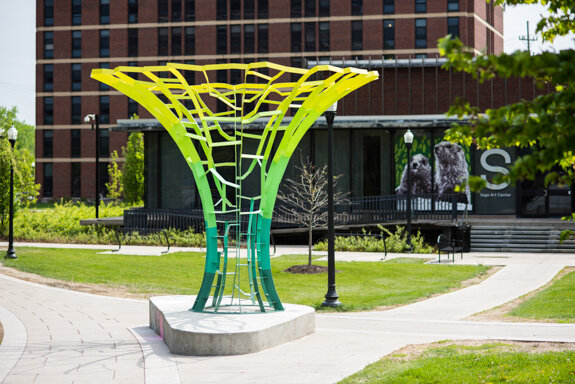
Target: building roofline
[340,122]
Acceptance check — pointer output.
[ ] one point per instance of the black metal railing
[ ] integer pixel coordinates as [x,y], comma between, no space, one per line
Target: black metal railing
[356,211]
[382,209]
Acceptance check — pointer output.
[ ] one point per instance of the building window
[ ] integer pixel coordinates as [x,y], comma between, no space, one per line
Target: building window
[356,35]
[388,6]
[249,9]
[102,86]
[104,142]
[76,110]
[104,177]
[75,143]
[453,26]
[191,79]
[163,11]
[76,43]
[105,43]
[235,9]
[76,12]
[48,45]
[222,39]
[324,8]
[263,38]
[310,37]
[421,55]
[388,34]
[104,11]
[452,5]
[132,107]
[76,77]
[235,38]
[189,10]
[105,109]
[310,8]
[296,37]
[420,33]
[249,38]
[47,183]
[263,9]
[176,10]
[48,77]
[420,6]
[190,41]
[132,11]
[295,9]
[222,10]
[357,7]
[132,42]
[176,41]
[48,111]
[48,143]
[76,180]
[48,13]
[324,37]
[163,41]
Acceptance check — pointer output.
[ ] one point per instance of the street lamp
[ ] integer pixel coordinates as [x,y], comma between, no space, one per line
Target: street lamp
[408,138]
[95,121]
[331,297]
[11,253]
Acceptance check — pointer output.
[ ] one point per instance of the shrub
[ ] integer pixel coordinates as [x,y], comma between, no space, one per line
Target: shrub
[396,242]
[61,224]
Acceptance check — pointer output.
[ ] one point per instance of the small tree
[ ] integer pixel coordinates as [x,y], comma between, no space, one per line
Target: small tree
[305,198]
[114,187]
[133,172]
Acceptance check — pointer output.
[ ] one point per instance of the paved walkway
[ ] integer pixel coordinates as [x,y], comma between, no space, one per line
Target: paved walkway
[59,336]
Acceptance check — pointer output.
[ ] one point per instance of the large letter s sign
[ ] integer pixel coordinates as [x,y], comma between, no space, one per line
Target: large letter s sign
[495,168]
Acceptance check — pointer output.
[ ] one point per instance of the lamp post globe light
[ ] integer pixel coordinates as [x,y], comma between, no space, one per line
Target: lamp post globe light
[12,134]
[408,139]
[331,297]
[93,119]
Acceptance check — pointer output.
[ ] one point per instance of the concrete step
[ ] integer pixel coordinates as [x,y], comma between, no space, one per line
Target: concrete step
[519,238]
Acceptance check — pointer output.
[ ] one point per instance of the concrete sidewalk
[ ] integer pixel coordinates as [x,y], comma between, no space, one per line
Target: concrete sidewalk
[60,336]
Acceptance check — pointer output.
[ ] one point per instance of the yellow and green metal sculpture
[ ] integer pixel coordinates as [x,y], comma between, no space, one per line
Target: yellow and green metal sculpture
[268,92]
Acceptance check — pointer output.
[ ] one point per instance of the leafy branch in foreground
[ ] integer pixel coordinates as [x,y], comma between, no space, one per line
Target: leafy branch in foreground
[544,124]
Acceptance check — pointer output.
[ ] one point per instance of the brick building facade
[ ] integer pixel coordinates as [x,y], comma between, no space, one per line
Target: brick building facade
[75,36]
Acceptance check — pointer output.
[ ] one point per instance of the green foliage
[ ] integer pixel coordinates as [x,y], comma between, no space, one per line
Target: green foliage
[556,302]
[114,187]
[545,125]
[361,285]
[396,242]
[489,363]
[133,171]
[25,189]
[61,224]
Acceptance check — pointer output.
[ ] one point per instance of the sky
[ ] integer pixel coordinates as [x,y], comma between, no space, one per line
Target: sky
[18,34]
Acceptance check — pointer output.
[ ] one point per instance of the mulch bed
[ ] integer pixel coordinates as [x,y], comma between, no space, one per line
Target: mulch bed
[307,269]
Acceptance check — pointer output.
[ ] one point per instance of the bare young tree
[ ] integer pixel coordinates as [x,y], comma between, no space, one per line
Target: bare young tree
[305,198]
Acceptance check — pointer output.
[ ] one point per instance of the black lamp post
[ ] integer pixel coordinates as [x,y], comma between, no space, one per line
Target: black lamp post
[11,253]
[331,297]
[408,138]
[95,121]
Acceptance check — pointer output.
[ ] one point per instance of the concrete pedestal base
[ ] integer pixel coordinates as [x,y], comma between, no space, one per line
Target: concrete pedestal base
[208,334]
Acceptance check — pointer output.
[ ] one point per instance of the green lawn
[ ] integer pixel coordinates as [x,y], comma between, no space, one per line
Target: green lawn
[488,363]
[360,285]
[556,302]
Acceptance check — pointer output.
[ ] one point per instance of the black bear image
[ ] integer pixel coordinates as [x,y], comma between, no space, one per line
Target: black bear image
[451,169]
[420,176]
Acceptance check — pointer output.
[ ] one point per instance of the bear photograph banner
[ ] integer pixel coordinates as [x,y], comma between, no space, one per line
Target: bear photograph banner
[436,167]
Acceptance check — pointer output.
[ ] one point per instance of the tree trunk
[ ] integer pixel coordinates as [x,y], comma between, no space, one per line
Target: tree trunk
[309,243]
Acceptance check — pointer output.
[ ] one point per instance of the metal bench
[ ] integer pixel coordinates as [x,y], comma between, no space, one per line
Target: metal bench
[449,246]
[147,221]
